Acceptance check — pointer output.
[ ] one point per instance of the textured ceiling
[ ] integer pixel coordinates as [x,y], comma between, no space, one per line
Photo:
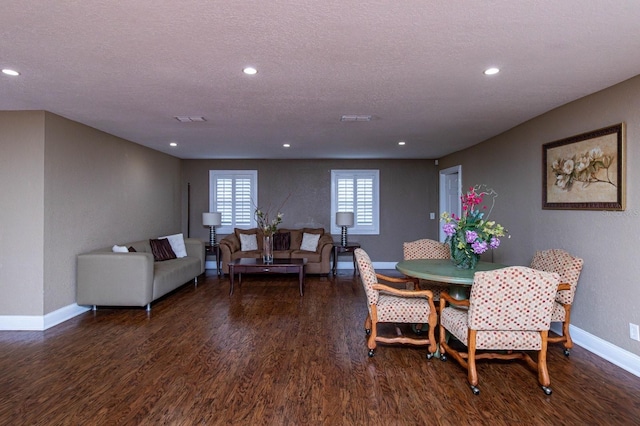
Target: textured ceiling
[128,67]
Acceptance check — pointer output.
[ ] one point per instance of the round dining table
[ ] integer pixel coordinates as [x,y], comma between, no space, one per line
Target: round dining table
[444,271]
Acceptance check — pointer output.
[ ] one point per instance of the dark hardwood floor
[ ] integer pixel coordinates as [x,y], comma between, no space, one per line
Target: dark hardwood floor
[266,356]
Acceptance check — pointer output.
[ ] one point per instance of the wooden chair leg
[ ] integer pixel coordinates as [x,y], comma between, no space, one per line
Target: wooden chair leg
[568,344]
[471,362]
[371,341]
[433,323]
[367,324]
[543,371]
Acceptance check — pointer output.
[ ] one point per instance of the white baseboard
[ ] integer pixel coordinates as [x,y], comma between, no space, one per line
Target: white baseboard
[384,265]
[376,265]
[40,322]
[615,355]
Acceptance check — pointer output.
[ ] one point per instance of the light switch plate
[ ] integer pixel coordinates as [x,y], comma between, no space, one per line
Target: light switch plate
[634,331]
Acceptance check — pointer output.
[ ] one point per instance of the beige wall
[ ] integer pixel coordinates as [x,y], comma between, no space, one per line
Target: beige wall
[608,297]
[21,215]
[408,192]
[70,188]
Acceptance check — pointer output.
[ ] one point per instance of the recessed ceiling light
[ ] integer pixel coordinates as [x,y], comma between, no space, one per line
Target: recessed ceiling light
[10,72]
[250,71]
[402,143]
[173,144]
[491,71]
[286,145]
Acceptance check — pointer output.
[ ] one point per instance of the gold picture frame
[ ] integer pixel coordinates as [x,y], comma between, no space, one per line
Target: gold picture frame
[586,171]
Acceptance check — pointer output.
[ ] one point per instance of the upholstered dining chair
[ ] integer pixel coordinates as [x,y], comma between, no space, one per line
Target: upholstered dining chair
[569,268]
[427,249]
[388,304]
[507,314]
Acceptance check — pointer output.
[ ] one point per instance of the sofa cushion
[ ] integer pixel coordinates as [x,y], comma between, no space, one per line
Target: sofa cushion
[253,231]
[248,242]
[295,239]
[161,249]
[177,244]
[281,241]
[282,254]
[312,257]
[309,242]
[169,275]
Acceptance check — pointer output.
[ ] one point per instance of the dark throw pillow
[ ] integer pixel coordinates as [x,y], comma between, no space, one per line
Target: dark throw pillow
[132,250]
[281,240]
[161,249]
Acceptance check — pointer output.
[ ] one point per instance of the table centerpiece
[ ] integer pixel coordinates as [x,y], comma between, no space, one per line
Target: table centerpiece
[472,233]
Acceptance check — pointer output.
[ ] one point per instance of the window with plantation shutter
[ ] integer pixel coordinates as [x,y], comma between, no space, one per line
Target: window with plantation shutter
[232,193]
[356,191]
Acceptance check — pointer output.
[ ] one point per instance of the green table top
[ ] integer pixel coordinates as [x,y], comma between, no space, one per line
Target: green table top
[443,270]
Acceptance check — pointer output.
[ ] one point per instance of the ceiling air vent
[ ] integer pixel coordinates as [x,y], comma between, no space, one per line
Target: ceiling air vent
[355,118]
[189,119]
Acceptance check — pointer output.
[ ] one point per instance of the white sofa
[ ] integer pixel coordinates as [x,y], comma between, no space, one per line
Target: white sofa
[107,278]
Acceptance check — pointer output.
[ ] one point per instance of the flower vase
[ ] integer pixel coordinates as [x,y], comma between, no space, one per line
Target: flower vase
[267,249]
[462,255]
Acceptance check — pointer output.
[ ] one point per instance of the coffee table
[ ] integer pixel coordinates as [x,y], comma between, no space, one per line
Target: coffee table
[257,266]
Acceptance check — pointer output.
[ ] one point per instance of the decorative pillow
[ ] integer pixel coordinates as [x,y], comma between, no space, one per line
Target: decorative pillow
[309,242]
[132,250]
[239,231]
[119,249]
[177,244]
[281,240]
[248,242]
[161,249]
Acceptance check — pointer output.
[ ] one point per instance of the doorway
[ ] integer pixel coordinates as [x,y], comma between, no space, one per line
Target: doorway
[450,191]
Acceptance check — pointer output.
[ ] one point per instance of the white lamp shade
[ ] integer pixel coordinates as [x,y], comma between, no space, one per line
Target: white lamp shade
[344,218]
[212,219]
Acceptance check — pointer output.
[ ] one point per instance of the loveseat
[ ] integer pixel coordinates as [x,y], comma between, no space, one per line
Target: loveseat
[136,276]
[288,244]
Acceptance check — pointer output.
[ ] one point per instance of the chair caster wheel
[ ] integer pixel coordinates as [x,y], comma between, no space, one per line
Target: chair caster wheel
[547,390]
[566,352]
[475,390]
[429,355]
[367,331]
[370,353]
[443,357]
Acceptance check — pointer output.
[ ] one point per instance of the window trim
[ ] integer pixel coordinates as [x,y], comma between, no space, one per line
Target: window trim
[374,174]
[213,176]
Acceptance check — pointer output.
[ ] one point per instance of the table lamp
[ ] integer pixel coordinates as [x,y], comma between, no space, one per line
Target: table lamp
[212,219]
[344,219]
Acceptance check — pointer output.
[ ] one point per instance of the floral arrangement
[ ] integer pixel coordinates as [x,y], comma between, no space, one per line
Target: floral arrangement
[268,226]
[582,168]
[472,234]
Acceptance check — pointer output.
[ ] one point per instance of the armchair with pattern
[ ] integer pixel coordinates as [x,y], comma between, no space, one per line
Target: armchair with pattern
[508,314]
[427,249]
[569,268]
[386,304]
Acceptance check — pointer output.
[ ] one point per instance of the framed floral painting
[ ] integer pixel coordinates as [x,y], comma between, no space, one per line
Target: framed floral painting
[585,172]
